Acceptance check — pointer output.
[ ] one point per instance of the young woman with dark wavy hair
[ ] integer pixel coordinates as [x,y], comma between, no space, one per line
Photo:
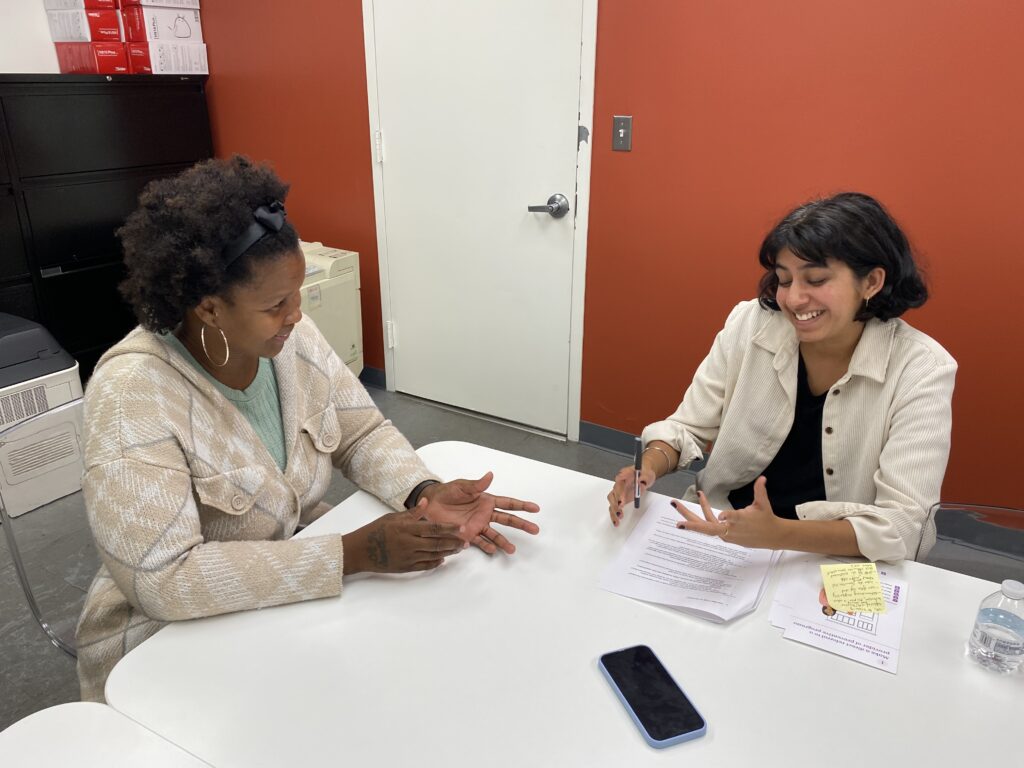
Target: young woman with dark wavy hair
[829,416]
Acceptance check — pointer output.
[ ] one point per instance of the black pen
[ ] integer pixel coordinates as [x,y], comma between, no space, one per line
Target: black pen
[638,452]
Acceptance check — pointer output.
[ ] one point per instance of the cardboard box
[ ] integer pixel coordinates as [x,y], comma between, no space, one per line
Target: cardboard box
[166,58]
[193,4]
[92,58]
[89,5]
[173,25]
[84,26]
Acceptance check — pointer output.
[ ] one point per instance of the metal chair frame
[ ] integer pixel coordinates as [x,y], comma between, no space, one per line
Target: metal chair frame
[977,511]
[12,544]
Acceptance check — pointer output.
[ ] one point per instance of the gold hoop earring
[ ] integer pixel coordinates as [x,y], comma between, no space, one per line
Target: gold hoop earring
[227,349]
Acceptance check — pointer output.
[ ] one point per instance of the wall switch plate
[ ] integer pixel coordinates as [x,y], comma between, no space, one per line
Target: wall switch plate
[622,133]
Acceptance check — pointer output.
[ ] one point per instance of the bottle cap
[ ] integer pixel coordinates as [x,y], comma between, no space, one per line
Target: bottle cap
[1013,589]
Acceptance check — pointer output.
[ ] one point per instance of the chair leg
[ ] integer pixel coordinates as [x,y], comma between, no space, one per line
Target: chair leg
[19,567]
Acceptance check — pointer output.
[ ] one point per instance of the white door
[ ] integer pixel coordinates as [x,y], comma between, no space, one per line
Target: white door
[477,104]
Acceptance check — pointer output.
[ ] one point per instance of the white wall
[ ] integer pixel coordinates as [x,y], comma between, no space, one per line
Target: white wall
[25,44]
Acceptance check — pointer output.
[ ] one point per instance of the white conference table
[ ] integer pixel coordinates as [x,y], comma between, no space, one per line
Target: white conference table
[85,734]
[493,661]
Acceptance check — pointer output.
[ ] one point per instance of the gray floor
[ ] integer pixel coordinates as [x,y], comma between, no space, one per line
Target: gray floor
[58,552]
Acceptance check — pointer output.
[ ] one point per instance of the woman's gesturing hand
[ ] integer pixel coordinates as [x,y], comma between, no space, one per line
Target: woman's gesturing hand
[400,542]
[755,526]
[467,504]
[622,492]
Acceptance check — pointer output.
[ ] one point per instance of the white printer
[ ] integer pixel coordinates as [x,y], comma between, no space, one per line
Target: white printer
[330,296]
[37,375]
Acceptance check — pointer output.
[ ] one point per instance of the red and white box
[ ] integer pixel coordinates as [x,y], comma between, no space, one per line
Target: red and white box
[92,58]
[89,5]
[84,26]
[172,25]
[164,58]
[193,4]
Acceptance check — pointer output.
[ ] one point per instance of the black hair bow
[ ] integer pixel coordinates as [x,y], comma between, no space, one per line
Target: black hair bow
[268,218]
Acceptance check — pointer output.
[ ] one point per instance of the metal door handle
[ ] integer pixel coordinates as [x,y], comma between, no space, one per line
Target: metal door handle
[557,206]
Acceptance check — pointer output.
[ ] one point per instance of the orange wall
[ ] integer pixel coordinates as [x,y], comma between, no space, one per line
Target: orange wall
[742,109]
[289,87]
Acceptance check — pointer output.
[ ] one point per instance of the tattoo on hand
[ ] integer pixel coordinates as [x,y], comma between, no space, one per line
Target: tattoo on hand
[377,548]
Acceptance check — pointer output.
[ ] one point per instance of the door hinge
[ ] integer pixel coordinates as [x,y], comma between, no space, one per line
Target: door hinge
[378,146]
[392,330]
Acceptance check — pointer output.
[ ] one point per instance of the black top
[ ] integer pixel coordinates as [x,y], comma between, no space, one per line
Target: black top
[796,474]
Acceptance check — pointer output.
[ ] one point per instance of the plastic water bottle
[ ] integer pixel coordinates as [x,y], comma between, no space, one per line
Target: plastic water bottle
[997,642]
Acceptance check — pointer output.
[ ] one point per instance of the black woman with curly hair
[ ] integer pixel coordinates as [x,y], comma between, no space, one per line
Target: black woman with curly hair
[212,428]
[830,417]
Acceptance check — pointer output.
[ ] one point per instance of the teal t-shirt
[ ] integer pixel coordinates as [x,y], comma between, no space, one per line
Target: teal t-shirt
[259,402]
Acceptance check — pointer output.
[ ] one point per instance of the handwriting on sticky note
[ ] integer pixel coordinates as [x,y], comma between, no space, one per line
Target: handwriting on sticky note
[853,588]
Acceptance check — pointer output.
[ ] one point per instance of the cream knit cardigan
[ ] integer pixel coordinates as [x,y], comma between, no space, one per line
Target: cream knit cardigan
[190,513]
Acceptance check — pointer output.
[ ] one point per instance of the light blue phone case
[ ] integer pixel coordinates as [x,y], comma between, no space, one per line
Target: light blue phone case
[689,735]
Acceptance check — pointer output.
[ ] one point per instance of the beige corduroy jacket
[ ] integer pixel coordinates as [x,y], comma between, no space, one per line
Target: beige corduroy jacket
[191,514]
[885,425]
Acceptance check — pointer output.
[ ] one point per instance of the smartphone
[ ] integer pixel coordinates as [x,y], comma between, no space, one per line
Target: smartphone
[653,699]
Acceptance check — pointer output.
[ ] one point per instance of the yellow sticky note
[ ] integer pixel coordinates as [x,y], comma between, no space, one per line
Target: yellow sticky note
[853,588]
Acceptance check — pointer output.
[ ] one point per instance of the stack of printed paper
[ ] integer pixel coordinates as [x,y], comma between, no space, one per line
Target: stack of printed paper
[689,571]
[802,609]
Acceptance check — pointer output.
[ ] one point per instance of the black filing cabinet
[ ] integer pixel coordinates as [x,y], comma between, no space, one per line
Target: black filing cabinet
[75,151]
